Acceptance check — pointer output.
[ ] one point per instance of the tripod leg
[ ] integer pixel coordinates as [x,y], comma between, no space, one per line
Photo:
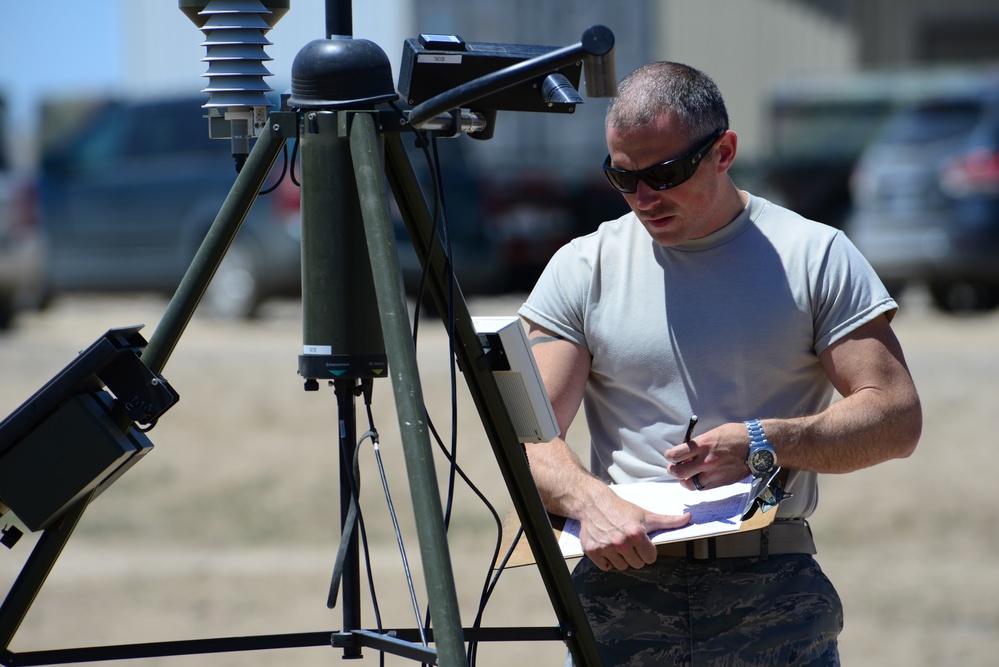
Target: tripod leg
[408,393]
[347,572]
[34,573]
[218,239]
[482,386]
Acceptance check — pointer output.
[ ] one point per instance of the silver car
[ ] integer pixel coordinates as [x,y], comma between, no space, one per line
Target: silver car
[926,195]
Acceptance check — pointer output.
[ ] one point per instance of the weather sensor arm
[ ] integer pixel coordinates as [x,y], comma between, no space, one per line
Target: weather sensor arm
[595,49]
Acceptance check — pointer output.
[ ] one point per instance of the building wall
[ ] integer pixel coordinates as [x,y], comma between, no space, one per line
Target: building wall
[750,46]
[893,33]
[746,45]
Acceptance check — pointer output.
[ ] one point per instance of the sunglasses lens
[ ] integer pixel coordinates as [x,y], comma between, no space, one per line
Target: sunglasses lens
[626,182]
[661,176]
[664,176]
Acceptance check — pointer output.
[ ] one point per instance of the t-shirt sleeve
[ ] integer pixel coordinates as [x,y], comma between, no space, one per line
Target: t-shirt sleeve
[849,294]
[558,299]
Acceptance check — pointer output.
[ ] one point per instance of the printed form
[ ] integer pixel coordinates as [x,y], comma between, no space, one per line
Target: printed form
[712,511]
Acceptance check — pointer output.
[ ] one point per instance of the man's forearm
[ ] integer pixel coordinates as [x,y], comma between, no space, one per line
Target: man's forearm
[879,417]
[565,486]
[856,432]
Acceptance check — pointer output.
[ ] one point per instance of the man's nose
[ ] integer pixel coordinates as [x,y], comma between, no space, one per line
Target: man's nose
[645,196]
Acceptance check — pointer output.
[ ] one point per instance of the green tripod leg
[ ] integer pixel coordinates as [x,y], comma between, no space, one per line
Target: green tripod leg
[230,217]
[394,311]
[502,436]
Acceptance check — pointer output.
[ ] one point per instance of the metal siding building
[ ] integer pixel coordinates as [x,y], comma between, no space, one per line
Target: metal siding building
[748,46]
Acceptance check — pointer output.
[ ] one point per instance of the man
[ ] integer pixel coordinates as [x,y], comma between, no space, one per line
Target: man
[707,300]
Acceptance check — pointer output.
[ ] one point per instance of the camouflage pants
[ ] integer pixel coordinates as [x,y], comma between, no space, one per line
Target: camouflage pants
[729,612]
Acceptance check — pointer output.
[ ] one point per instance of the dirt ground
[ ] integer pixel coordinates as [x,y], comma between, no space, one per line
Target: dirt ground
[230,526]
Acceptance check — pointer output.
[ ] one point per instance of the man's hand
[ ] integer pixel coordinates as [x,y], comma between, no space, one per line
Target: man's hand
[717,457]
[615,533]
[878,418]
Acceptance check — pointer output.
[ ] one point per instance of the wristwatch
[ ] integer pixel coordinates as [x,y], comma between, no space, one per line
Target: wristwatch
[762,457]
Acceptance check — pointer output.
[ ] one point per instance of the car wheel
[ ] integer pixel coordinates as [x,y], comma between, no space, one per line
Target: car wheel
[962,296]
[234,292]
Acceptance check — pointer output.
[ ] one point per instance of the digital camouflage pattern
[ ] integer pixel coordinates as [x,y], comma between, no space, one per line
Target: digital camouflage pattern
[729,612]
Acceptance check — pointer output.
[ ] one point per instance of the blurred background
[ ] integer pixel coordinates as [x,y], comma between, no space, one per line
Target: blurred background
[109,179]
[879,117]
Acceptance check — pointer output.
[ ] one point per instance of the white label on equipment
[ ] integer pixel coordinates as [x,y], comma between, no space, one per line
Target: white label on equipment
[439,59]
[317,349]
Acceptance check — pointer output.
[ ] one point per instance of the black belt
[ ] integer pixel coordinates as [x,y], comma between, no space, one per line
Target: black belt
[790,536]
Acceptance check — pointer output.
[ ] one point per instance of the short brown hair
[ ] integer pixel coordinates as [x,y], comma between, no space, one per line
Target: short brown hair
[660,88]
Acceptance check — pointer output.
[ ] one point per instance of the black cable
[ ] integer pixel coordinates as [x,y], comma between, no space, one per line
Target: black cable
[439,219]
[371,582]
[488,591]
[294,152]
[440,222]
[366,390]
[450,335]
[454,468]
[440,226]
[284,170]
[423,143]
[355,485]
[373,435]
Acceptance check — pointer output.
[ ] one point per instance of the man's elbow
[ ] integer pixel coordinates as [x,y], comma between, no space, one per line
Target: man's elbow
[910,428]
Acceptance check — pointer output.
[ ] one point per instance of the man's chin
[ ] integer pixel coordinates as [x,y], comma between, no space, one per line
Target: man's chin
[663,230]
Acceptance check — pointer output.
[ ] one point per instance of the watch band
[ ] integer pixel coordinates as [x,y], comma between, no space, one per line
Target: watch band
[762,459]
[757,436]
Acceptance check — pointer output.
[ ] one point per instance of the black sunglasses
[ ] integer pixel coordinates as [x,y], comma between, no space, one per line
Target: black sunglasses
[663,176]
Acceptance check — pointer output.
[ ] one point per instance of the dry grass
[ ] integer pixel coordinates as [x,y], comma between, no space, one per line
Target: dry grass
[230,526]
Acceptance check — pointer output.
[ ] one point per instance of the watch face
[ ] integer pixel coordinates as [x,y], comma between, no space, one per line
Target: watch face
[763,460]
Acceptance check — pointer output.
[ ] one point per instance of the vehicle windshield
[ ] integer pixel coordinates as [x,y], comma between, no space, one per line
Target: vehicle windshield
[828,128]
[933,121]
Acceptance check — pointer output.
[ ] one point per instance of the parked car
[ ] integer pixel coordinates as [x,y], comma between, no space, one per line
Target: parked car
[504,225]
[22,255]
[818,130]
[926,194]
[127,198]
[820,126]
[475,259]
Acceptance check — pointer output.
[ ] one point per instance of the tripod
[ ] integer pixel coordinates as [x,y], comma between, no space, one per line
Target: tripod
[349,262]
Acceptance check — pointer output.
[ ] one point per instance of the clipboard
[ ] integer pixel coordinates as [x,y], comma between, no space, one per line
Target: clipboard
[765,495]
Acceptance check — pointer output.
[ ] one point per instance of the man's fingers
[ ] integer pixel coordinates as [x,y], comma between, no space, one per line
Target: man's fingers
[679,453]
[656,522]
[646,554]
[630,557]
[633,552]
[609,560]
[642,553]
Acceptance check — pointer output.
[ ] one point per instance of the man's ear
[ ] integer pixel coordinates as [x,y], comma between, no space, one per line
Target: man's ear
[727,147]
